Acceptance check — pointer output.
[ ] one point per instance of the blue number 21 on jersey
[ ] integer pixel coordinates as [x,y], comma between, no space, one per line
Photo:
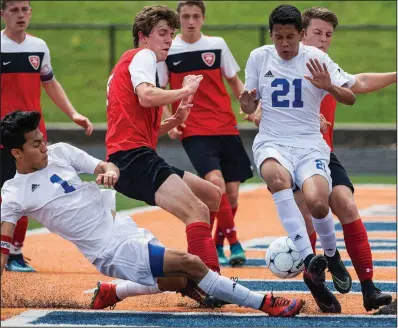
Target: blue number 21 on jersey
[297,83]
[67,188]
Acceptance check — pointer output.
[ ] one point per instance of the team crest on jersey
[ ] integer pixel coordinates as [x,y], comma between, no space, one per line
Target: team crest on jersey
[35,62]
[209,58]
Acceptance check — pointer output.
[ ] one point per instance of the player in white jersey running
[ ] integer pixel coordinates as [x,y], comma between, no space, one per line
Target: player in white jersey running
[291,79]
[47,187]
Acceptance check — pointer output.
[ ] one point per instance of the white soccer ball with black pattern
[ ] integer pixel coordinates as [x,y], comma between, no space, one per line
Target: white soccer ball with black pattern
[283,259]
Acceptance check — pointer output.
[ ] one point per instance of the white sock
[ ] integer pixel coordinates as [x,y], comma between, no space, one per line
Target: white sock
[293,221]
[326,232]
[129,288]
[15,250]
[230,291]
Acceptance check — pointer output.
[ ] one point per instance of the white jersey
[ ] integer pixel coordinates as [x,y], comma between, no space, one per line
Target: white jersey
[57,198]
[290,104]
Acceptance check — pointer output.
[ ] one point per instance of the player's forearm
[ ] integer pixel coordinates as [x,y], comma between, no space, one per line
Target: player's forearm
[57,94]
[166,112]
[370,82]
[249,108]
[342,95]
[153,96]
[236,85]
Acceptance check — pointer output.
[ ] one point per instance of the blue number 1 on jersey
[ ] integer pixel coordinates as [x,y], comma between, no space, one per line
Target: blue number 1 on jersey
[67,188]
[297,83]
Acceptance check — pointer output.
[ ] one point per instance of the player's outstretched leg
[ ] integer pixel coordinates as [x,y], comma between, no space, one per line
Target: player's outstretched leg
[356,239]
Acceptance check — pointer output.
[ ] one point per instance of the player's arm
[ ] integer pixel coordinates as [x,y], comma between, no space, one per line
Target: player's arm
[342,94]
[57,94]
[7,232]
[178,118]
[236,85]
[370,82]
[249,98]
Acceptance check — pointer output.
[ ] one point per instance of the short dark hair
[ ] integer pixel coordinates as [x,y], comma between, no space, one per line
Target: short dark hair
[198,3]
[149,16]
[5,2]
[286,14]
[15,125]
[319,13]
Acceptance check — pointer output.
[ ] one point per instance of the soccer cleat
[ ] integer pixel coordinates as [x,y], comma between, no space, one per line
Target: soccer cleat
[192,291]
[341,278]
[373,298]
[281,307]
[104,296]
[325,299]
[222,259]
[213,302]
[388,309]
[238,257]
[17,263]
[316,269]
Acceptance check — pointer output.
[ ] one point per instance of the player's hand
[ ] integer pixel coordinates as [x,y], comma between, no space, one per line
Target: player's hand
[247,98]
[191,83]
[324,123]
[254,118]
[320,75]
[84,122]
[176,133]
[108,179]
[183,110]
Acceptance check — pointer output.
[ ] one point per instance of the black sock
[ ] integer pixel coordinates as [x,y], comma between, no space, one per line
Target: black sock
[308,259]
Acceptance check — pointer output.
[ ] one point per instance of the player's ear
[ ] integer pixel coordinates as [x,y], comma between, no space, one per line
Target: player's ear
[16,153]
[301,35]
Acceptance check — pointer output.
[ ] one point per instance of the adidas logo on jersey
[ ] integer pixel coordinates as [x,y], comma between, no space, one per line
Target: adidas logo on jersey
[269,74]
[298,237]
[35,186]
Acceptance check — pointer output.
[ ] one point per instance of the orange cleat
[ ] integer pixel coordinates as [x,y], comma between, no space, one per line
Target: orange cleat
[104,296]
[281,307]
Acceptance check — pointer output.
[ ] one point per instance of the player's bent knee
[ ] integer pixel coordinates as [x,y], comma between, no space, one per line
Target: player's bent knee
[216,180]
[319,209]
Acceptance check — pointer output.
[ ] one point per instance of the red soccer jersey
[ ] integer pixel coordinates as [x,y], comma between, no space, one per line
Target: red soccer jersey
[211,113]
[328,109]
[24,67]
[130,125]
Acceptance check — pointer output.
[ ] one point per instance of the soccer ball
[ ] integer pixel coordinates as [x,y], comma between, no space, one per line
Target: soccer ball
[283,259]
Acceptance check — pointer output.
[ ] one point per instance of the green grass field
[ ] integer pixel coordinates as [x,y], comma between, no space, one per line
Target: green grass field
[80,57]
[124,203]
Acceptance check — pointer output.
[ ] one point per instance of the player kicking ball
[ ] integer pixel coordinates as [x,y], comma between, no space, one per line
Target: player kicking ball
[47,179]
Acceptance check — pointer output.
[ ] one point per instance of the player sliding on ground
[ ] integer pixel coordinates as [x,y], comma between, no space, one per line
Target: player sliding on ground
[47,187]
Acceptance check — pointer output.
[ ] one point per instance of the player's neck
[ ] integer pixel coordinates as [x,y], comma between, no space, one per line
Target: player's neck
[190,38]
[17,37]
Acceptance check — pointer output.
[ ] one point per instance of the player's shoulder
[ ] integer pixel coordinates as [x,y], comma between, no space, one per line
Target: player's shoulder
[311,51]
[214,40]
[31,39]
[58,150]
[263,51]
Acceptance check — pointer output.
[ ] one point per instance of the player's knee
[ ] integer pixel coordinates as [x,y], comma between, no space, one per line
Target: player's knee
[216,180]
[214,194]
[319,208]
[346,211]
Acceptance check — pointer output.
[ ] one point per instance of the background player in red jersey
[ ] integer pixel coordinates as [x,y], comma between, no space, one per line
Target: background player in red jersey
[210,136]
[319,25]
[134,110]
[25,68]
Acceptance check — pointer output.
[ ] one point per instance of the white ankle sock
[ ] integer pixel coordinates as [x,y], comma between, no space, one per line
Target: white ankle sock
[326,232]
[293,221]
[15,250]
[129,288]
[230,291]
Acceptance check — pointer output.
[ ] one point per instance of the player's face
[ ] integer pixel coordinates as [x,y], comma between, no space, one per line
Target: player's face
[159,40]
[33,156]
[191,19]
[318,34]
[17,15]
[286,39]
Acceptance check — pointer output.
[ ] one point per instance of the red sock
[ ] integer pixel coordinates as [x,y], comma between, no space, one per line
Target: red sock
[225,220]
[212,219]
[313,241]
[20,231]
[358,248]
[218,235]
[201,244]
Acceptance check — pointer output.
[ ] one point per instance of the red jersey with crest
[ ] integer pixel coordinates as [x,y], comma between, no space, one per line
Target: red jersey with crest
[24,67]
[131,125]
[211,113]
[328,109]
